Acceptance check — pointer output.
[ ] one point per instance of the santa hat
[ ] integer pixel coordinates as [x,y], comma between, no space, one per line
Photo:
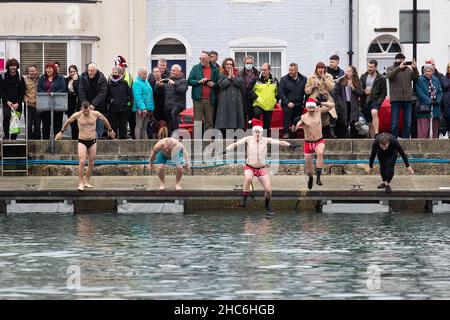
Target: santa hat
[311,103]
[257,125]
[120,62]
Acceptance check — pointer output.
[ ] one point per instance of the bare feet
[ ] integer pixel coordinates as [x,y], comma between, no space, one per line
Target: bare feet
[178,187]
[87,184]
[162,187]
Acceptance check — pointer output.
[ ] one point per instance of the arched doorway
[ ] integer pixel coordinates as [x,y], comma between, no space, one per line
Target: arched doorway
[170,49]
[383,49]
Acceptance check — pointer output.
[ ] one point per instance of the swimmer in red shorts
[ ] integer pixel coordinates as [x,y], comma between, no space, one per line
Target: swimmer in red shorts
[255,165]
[314,142]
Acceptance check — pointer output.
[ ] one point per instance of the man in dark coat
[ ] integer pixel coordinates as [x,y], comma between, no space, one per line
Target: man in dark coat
[93,88]
[248,73]
[292,95]
[375,91]
[174,91]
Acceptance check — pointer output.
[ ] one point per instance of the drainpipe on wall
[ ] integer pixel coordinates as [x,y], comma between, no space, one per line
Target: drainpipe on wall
[414,18]
[350,33]
[131,63]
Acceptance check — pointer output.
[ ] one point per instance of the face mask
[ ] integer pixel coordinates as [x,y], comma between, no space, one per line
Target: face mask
[248,67]
[115,77]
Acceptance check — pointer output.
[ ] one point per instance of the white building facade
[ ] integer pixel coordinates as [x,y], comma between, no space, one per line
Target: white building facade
[274,31]
[385,28]
[74,32]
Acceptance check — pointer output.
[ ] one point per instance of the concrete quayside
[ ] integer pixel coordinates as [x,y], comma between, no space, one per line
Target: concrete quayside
[123,181]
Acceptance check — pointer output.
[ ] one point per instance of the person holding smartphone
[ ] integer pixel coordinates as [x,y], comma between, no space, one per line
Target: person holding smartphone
[203,79]
[400,77]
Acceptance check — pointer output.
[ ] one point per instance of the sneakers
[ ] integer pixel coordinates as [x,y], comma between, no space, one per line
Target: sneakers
[310,183]
[382,186]
[444,136]
[388,189]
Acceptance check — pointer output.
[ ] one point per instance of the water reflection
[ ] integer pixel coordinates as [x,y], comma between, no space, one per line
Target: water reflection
[225,256]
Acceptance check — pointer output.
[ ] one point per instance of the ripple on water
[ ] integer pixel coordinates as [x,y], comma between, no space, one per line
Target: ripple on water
[228,257]
[51,254]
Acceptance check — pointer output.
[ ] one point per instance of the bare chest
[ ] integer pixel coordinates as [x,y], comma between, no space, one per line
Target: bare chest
[312,122]
[87,121]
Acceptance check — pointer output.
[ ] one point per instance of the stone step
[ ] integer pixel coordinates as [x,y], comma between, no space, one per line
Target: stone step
[134,170]
[130,147]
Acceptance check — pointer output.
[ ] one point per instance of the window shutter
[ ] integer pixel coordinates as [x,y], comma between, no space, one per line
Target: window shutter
[31,53]
[56,52]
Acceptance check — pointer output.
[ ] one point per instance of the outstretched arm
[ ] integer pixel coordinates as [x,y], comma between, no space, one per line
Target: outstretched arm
[278,142]
[236,144]
[65,125]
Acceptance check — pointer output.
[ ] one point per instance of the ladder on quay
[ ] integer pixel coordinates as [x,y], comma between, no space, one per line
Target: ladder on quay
[14,153]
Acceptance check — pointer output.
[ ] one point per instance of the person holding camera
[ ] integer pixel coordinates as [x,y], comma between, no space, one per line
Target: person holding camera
[400,76]
[314,140]
[428,110]
[174,89]
[203,79]
[319,86]
[158,95]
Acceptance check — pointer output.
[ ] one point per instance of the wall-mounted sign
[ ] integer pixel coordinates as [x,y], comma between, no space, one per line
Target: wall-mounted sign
[2,56]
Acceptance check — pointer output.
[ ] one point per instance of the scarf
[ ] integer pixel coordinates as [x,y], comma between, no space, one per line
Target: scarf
[248,77]
[116,80]
[431,89]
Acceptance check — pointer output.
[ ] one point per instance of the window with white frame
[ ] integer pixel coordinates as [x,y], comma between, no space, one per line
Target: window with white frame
[40,53]
[261,57]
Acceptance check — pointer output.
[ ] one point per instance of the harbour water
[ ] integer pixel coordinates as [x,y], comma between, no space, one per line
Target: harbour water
[225,255]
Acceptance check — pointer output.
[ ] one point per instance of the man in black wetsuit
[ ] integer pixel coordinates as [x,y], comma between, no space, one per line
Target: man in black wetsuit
[387,148]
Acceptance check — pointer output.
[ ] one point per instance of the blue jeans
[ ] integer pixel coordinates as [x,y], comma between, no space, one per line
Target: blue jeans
[406,106]
[100,128]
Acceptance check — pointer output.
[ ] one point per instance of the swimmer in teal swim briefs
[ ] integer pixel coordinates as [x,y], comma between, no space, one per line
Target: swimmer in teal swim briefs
[165,150]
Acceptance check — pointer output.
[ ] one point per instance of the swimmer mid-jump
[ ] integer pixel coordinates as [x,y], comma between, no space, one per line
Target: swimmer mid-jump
[314,142]
[256,162]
